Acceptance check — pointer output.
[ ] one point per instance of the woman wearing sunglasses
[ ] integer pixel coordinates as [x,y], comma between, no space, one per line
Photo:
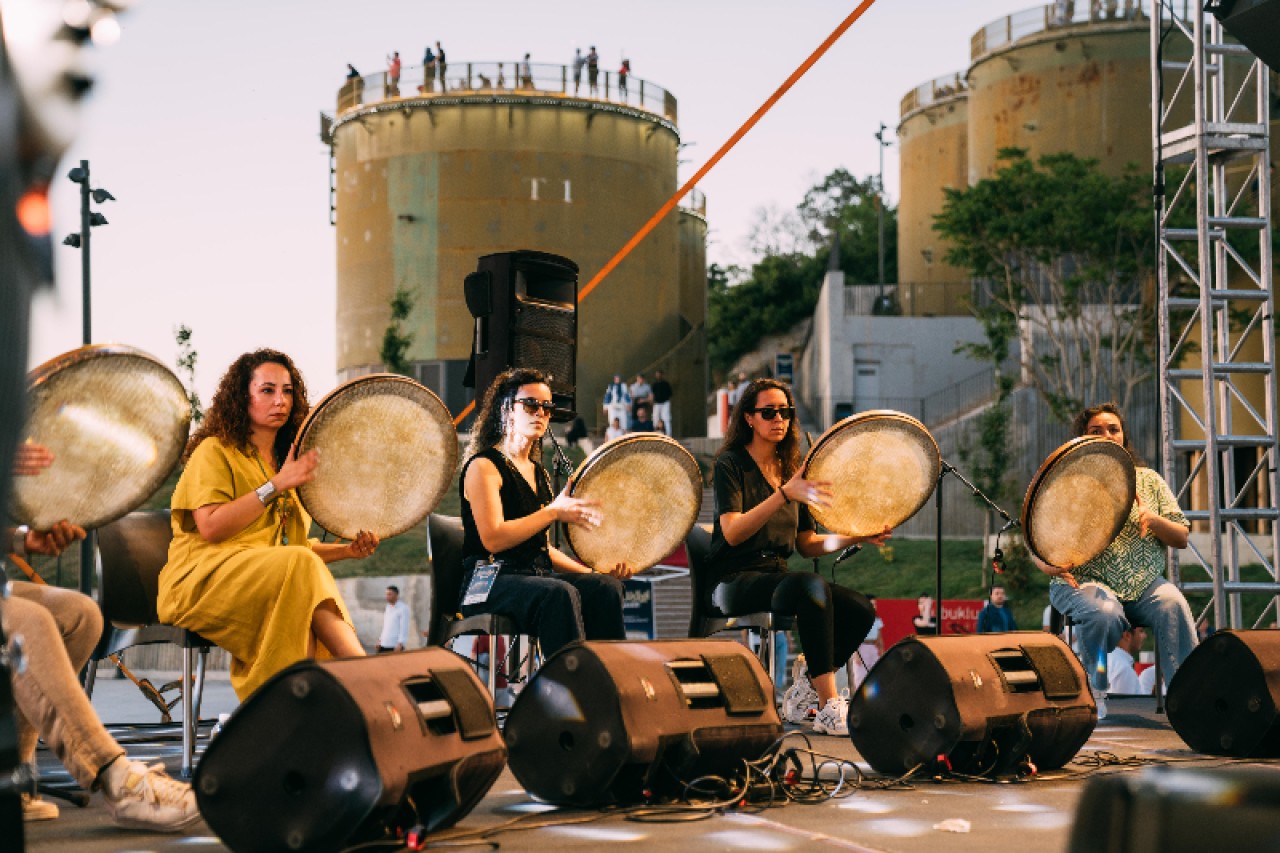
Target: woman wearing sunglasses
[762,515]
[507,513]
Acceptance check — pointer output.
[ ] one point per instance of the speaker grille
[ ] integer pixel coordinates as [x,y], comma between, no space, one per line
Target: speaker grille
[544,339]
[1057,675]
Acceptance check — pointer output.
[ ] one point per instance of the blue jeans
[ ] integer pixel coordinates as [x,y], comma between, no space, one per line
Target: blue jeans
[1100,618]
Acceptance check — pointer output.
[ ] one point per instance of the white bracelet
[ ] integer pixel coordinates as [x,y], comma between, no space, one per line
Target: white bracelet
[20,540]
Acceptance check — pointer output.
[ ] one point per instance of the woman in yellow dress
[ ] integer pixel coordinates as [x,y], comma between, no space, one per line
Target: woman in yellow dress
[241,571]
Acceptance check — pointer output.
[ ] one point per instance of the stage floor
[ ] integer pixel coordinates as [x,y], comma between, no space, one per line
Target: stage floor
[1034,815]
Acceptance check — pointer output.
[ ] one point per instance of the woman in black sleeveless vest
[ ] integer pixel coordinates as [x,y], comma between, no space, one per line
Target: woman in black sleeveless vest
[507,513]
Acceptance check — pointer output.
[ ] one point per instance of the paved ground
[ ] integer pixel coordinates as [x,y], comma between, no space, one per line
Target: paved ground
[1034,815]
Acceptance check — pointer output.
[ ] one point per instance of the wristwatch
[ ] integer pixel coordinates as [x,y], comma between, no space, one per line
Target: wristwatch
[266,492]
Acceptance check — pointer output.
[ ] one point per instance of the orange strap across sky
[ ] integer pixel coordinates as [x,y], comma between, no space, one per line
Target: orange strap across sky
[710,164]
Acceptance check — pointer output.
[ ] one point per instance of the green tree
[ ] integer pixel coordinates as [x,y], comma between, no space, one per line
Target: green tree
[1064,253]
[187,357]
[782,287]
[395,340]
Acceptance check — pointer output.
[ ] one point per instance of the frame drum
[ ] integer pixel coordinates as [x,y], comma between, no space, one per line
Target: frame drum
[388,452]
[1078,501]
[882,465]
[650,489]
[116,420]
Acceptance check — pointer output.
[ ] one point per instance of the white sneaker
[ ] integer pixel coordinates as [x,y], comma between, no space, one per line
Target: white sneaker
[142,797]
[1100,699]
[801,700]
[833,719]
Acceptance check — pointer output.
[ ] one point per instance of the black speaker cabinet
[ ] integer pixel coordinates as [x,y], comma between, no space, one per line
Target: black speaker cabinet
[1256,23]
[1223,699]
[1180,810]
[984,702]
[525,306]
[326,755]
[602,722]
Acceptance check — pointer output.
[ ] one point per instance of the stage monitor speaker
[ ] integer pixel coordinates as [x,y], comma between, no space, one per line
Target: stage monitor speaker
[982,702]
[1224,698]
[1255,23]
[327,755]
[525,306]
[1179,810]
[606,722]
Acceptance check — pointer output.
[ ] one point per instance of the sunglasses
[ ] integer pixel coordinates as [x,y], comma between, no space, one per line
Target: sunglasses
[771,412]
[531,405]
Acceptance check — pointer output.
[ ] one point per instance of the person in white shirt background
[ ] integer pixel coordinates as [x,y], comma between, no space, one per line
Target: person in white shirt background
[1124,679]
[395,623]
[869,651]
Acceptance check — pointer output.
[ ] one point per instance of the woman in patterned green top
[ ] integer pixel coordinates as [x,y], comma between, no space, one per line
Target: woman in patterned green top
[1125,584]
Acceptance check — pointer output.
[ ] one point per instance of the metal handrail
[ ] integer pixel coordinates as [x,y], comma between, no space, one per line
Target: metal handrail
[937,89]
[515,78]
[1061,14]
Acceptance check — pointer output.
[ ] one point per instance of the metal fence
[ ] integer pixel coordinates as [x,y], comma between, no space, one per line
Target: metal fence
[513,78]
[1058,15]
[937,89]
[914,298]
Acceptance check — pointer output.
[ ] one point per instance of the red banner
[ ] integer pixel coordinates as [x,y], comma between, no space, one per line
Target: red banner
[906,616]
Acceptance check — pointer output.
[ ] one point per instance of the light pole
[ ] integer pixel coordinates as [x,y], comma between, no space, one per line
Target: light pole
[880,204]
[89,219]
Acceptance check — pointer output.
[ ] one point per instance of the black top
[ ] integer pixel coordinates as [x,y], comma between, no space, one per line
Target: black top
[739,486]
[518,500]
[661,391]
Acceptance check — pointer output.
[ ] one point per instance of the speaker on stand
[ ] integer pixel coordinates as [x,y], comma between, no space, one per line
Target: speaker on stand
[525,306]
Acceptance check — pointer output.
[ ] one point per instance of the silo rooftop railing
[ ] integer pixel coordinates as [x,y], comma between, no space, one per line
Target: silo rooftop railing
[1058,15]
[938,89]
[462,79]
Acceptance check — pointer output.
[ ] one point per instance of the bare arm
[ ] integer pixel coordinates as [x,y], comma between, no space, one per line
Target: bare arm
[810,543]
[482,487]
[219,522]
[362,546]
[1171,533]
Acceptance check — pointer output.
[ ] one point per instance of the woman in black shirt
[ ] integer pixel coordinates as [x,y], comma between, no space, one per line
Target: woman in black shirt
[762,515]
[507,511]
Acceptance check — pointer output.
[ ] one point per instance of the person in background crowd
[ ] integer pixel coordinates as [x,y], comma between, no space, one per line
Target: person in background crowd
[870,650]
[642,422]
[578,61]
[641,395]
[617,401]
[623,73]
[393,74]
[593,71]
[615,430]
[1120,665]
[662,393]
[395,623]
[995,616]
[926,618]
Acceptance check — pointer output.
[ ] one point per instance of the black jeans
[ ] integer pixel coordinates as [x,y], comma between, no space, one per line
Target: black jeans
[832,620]
[557,608]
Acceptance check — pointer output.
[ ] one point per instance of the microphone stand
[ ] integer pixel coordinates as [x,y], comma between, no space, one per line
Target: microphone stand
[561,467]
[946,469]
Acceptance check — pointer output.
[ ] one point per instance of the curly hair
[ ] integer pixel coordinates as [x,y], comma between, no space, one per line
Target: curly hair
[228,415]
[739,434]
[489,427]
[1080,425]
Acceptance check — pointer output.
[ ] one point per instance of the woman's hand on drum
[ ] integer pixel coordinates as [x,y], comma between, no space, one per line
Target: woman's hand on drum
[621,571]
[874,539]
[812,492]
[30,459]
[364,545]
[297,470]
[1054,571]
[573,510]
[53,541]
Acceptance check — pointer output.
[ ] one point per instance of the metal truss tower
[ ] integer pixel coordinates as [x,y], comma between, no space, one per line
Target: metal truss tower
[1210,116]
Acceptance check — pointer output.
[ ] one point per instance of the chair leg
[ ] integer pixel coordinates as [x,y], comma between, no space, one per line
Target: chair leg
[188,742]
[90,677]
[1159,682]
[769,654]
[198,689]
[493,665]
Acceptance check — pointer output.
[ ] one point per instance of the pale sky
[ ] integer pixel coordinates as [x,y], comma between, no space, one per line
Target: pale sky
[205,126]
